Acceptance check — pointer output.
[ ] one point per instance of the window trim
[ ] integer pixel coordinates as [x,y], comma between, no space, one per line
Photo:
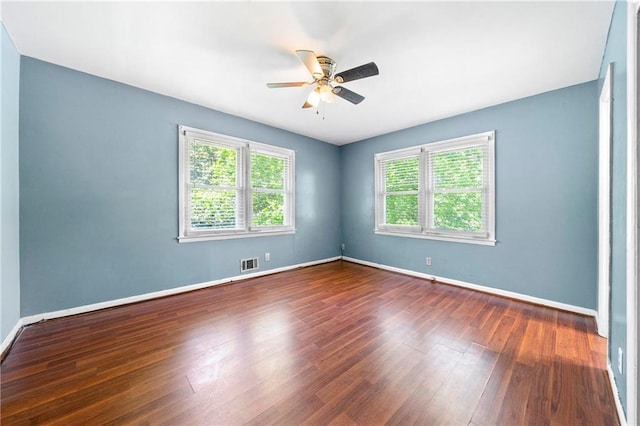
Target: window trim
[425,193]
[246,147]
[289,202]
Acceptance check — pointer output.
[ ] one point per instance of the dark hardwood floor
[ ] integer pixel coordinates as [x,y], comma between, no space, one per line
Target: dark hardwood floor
[337,343]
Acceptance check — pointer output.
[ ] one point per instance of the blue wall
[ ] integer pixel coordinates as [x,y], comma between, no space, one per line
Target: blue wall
[546,199]
[616,53]
[9,189]
[98,187]
[99,193]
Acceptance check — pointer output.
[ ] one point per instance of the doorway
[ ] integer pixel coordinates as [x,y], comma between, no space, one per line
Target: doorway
[604,204]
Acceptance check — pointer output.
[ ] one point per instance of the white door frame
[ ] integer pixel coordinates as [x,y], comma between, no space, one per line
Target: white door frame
[604,204]
[633,219]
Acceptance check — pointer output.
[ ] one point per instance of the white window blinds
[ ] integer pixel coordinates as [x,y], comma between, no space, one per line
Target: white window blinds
[215,186]
[271,189]
[230,187]
[441,190]
[458,190]
[399,176]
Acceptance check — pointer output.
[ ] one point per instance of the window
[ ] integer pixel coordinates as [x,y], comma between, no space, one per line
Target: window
[232,188]
[442,190]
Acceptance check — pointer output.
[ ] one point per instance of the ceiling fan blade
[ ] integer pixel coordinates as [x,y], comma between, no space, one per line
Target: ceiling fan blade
[291,84]
[313,100]
[348,95]
[363,71]
[310,61]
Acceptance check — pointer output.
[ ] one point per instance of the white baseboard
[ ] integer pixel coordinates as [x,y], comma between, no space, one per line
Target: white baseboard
[156,294]
[616,396]
[512,295]
[602,331]
[7,341]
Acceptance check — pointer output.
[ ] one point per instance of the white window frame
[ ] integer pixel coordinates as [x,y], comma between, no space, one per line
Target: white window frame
[425,228]
[243,169]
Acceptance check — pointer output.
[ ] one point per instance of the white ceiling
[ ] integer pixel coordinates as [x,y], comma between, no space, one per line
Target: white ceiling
[436,59]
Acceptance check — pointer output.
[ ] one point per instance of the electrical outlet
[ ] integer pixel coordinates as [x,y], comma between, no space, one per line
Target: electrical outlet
[342,246]
[267,257]
[620,356]
[428,261]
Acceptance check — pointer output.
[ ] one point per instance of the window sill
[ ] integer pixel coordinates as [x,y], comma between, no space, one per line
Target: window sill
[210,237]
[479,241]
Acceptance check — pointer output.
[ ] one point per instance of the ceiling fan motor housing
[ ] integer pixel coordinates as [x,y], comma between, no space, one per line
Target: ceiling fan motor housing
[328,66]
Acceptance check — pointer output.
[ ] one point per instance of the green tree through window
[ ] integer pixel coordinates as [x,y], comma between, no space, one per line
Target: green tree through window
[231,187]
[215,192]
[401,187]
[442,190]
[458,185]
[268,183]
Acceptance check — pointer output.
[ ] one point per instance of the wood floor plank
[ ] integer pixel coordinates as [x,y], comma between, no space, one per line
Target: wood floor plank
[337,343]
[437,366]
[465,384]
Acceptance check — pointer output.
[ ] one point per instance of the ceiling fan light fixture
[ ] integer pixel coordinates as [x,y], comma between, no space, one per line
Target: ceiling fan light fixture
[314,97]
[326,94]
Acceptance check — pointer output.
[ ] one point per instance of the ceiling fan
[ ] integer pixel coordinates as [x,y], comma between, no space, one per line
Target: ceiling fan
[322,68]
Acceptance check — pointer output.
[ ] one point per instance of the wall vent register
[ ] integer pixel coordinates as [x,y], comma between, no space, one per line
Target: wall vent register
[249,264]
